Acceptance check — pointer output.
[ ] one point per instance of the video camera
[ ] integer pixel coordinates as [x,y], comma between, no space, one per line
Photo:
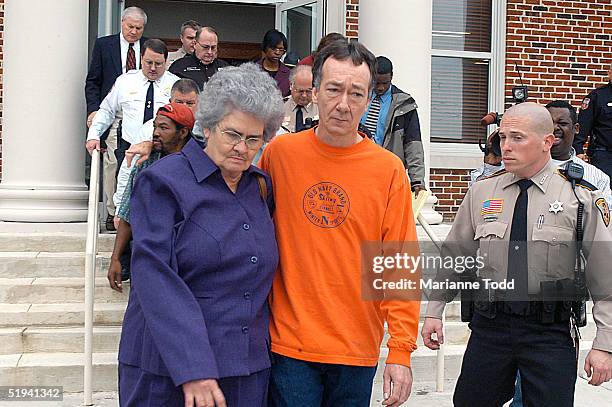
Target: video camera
[492,144]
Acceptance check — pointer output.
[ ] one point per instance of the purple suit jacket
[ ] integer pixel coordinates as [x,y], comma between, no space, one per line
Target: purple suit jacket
[203,261]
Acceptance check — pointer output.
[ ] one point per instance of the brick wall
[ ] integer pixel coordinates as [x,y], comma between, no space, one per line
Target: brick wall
[352,18]
[449,186]
[563,50]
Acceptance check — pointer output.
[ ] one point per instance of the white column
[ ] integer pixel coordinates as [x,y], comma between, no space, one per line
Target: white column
[43,135]
[401,31]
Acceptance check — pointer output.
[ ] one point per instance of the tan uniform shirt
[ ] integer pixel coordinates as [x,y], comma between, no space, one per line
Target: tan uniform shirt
[175,55]
[309,110]
[484,221]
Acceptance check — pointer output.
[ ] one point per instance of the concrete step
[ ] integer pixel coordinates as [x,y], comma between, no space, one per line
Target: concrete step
[63,314]
[52,242]
[57,339]
[56,290]
[48,264]
[58,369]
[66,369]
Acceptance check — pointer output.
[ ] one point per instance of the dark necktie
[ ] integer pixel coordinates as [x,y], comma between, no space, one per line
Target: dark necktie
[372,119]
[148,113]
[130,61]
[299,118]
[517,251]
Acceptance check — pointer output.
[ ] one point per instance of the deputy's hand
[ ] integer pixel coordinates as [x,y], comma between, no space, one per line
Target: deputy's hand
[431,326]
[397,385]
[92,145]
[90,118]
[114,275]
[203,393]
[143,149]
[582,156]
[598,366]
[418,189]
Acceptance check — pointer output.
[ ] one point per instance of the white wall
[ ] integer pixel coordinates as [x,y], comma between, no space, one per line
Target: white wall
[401,31]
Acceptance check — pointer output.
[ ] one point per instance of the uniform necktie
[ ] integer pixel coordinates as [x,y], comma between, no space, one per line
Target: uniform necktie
[130,61]
[372,119]
[299,118]
[517,251]
[148,113]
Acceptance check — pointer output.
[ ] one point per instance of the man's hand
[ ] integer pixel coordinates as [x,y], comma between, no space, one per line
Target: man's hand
[583,157]
[203,393]
[397,385]
[92,145]
[143,149]
[116,220]
[90,118]
[417,189]
[431,326]
[114,275]
[598,366]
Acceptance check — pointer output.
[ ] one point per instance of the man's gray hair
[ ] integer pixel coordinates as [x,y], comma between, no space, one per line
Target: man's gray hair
[245,88]
[135,12]
[298,69]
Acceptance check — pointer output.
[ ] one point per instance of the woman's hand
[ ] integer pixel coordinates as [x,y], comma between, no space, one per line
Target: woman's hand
[203,393]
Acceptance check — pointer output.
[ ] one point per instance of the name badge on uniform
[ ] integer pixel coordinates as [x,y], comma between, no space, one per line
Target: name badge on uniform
[490,209]
[609,103]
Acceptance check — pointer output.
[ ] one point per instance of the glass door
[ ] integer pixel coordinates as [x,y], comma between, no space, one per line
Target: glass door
[302,22]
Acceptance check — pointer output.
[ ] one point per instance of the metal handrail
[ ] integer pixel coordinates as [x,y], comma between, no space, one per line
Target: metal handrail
[91,250]
[420,202]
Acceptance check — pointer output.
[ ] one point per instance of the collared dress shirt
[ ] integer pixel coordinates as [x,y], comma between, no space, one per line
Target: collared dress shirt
[128,96]
[385,104]
[175,56]
[203,260]
[592,174]
[124,49]
[310,111]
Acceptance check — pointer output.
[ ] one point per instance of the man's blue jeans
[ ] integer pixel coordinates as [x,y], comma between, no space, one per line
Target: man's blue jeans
[296,382]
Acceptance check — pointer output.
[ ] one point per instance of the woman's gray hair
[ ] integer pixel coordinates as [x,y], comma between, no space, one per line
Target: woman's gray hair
[245,88]
[135,12]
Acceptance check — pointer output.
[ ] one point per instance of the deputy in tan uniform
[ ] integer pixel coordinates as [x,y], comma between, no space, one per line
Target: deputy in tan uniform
[299,105]
[523,222]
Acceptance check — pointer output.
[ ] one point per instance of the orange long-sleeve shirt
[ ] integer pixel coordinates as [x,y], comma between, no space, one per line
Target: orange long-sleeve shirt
[328,202]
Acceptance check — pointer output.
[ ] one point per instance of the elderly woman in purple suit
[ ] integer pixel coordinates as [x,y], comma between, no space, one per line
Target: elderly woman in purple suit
[195,331]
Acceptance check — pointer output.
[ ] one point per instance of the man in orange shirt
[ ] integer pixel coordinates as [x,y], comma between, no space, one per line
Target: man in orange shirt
[334,190]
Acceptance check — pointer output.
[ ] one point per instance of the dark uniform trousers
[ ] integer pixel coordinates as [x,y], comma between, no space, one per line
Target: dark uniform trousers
[498,347]
[602,159]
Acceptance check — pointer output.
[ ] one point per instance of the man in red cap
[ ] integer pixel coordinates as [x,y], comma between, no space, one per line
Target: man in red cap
[173,127]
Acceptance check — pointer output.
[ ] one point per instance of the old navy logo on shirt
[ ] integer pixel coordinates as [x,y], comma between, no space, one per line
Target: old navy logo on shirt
[490,209]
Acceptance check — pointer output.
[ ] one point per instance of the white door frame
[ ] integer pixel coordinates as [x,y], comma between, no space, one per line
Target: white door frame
[321,16]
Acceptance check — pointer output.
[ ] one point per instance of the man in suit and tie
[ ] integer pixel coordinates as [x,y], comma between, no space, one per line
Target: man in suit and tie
[299,106]
[113,55]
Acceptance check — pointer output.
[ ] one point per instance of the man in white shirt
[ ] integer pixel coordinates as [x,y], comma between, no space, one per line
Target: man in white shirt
[184,92]
[188,40]
[299,106]
[112,56]
[137,95]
